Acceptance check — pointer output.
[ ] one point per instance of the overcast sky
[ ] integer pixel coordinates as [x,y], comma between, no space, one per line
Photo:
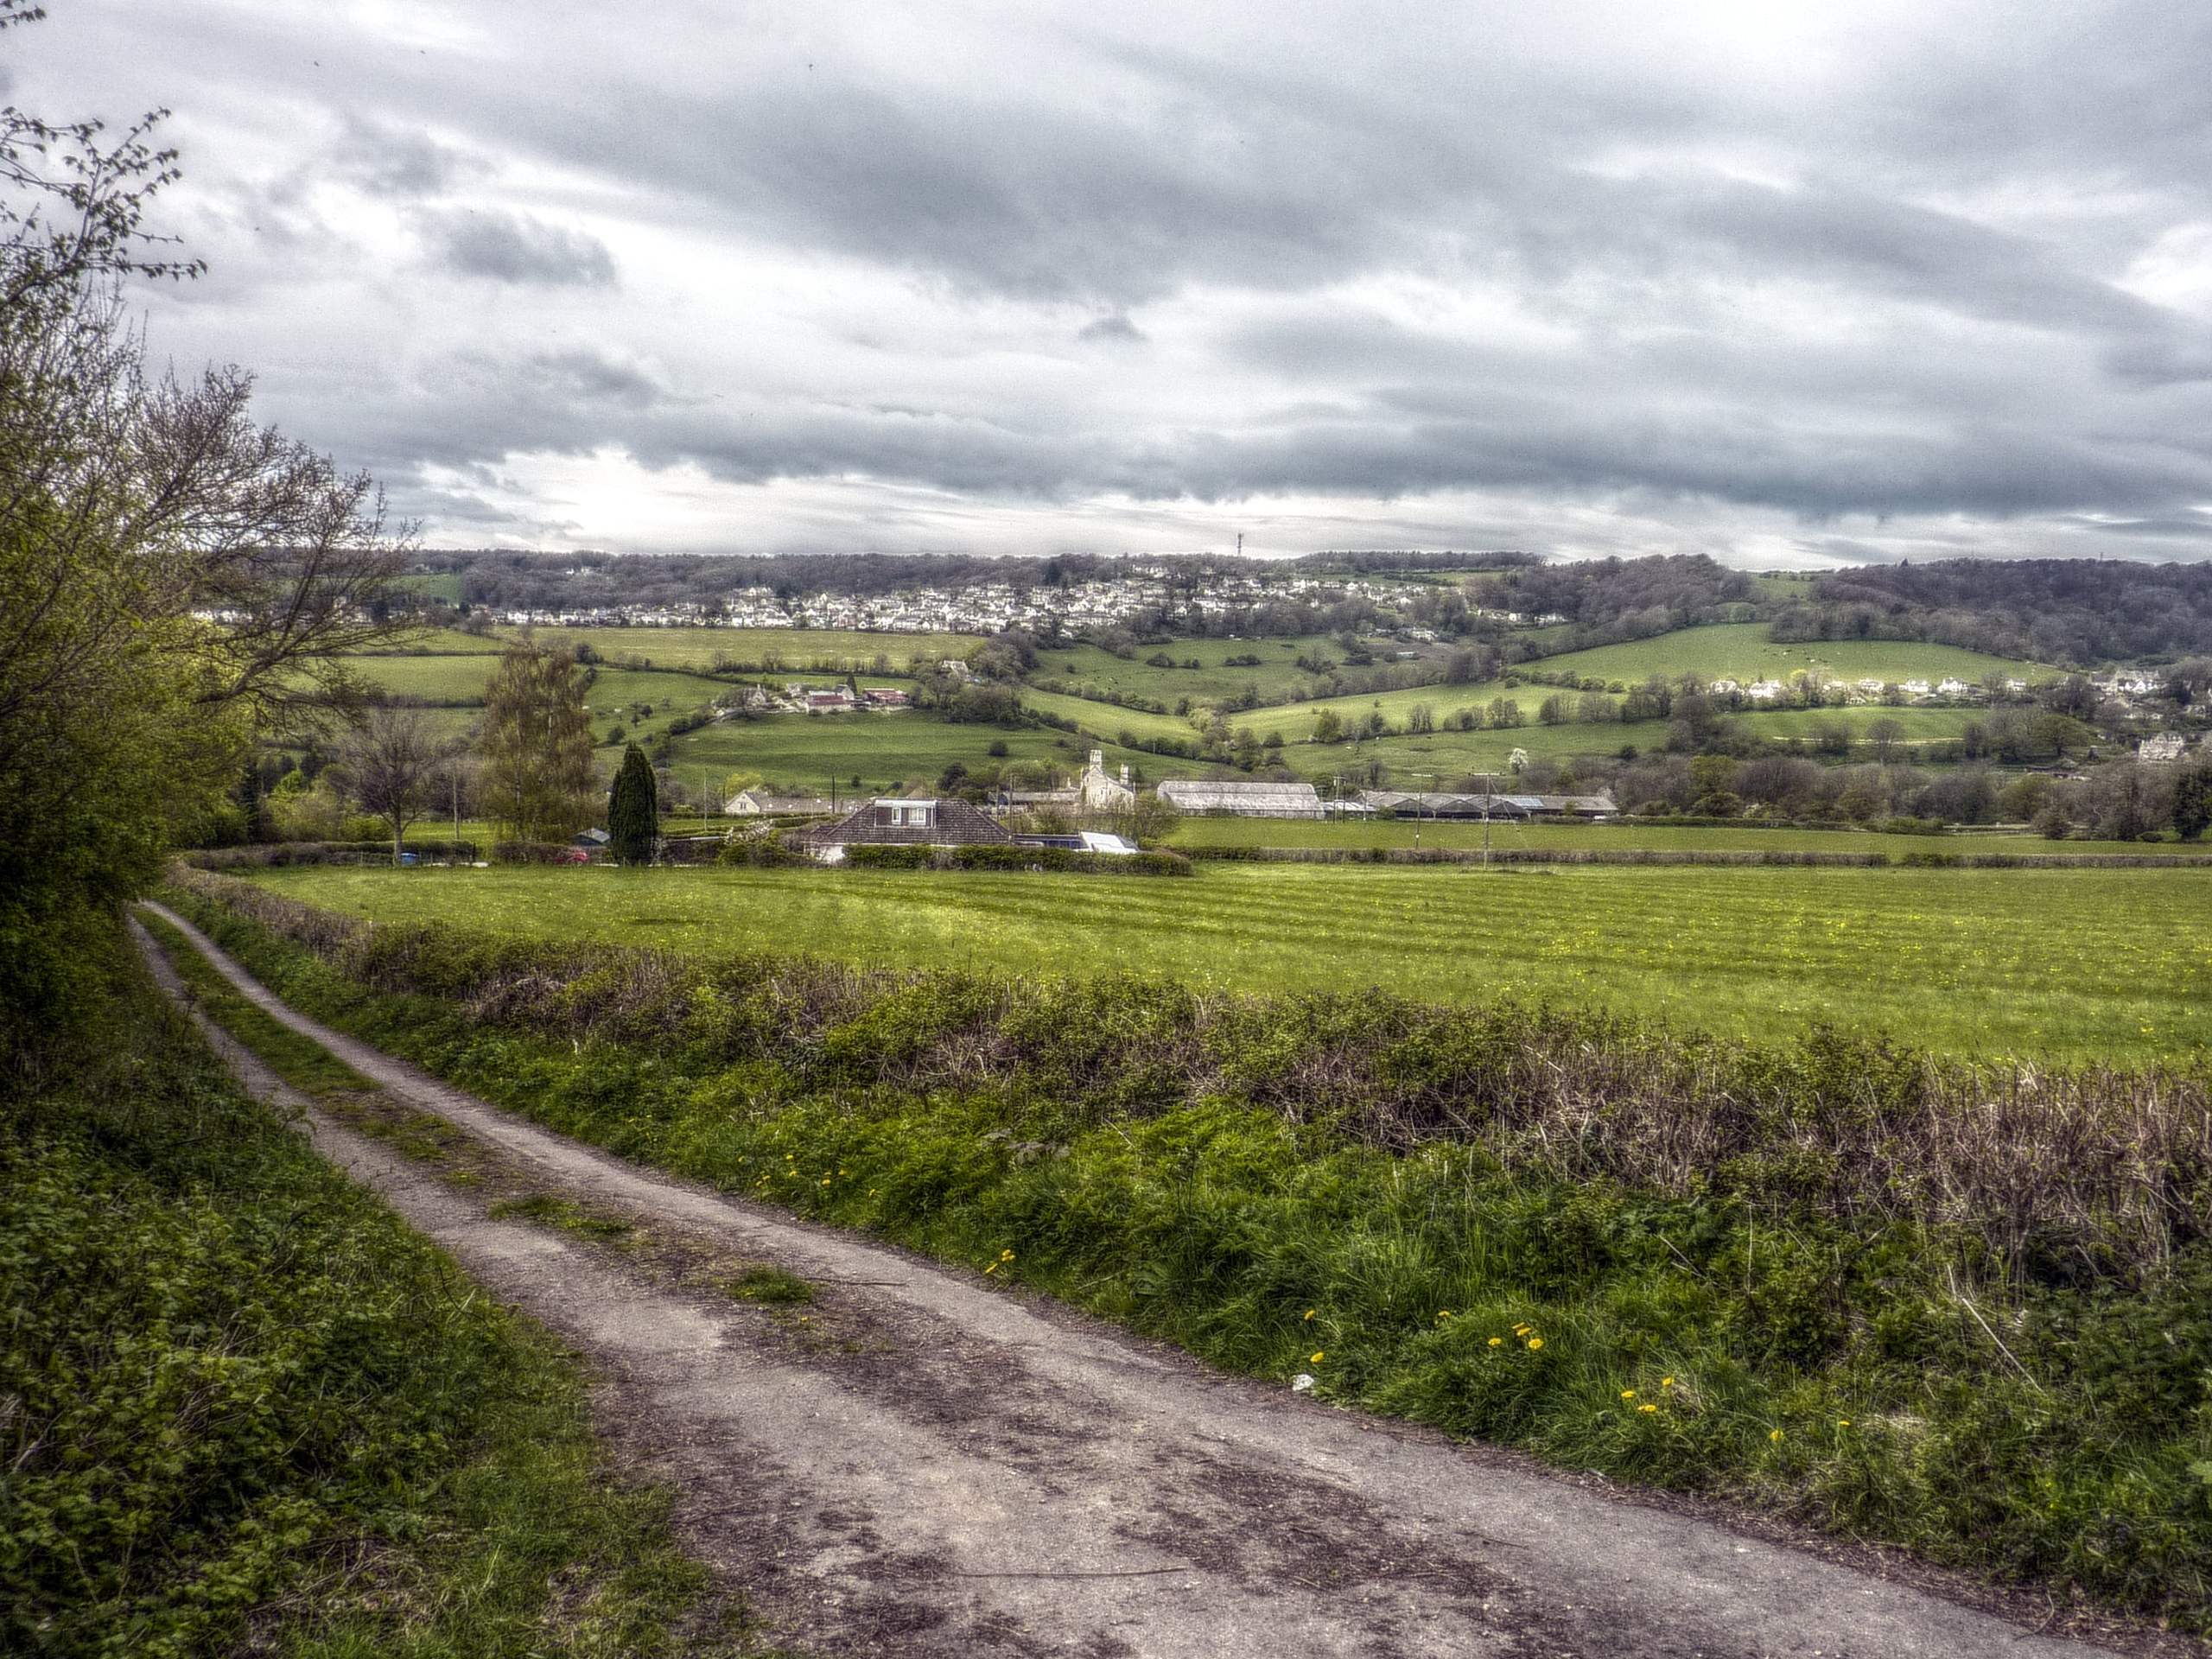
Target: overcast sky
[1783,282]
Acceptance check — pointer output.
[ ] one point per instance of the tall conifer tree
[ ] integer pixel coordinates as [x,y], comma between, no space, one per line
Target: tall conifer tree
[634,810]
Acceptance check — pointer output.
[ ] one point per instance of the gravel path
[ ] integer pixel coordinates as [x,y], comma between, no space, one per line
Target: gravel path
[922,1463]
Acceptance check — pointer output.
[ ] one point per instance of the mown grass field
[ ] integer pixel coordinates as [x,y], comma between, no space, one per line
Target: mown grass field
[1623,835]
[2106,964]
[1774,1272]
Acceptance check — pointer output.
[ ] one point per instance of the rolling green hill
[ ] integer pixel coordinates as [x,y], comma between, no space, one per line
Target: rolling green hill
[1741,650]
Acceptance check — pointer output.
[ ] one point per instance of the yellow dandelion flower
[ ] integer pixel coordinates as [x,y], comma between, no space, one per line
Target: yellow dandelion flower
[1497,1341]
[1843,1422]
[1647,1407]
[825,1180]
[988,1271]
[1316,1358]
[1006,1255]
[1520,1329]
[1774,1434]
[1443,1313]
[1534,1342]
[1666,1381]
[1310,1313]
[1628,1394]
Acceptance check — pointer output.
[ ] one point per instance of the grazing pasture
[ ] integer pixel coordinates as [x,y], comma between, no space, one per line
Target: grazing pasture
[1741,650]
[2084,964]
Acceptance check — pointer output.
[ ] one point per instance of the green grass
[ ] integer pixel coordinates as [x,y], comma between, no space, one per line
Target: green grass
[773,1285]
[2082,964]
[1449,755]
[1769,1272]
[1624,836]
[1106,721]
[550,1210]
[1212,681]
[806,751]
[440,585]
[300,1061]
[250,1411]
[449,642]
[1741,650]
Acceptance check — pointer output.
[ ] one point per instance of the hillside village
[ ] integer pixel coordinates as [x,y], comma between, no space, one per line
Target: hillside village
[994,607]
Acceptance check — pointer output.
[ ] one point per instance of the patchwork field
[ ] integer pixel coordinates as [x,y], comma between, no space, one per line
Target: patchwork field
[1090,670]
[2103,964]
[882,749]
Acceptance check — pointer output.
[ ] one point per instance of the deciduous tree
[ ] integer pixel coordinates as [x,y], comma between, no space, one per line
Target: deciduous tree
[171,574]
[536,745]
[391,766]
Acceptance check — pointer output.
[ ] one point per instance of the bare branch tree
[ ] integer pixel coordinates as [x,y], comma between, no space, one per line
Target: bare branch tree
[391,766]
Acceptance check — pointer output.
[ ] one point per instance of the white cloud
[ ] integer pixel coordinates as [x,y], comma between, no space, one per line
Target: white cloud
[1783,284]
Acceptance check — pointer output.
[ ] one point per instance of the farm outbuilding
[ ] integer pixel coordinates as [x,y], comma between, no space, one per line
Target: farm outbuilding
[1438,803]
[938,822]
[1206,796]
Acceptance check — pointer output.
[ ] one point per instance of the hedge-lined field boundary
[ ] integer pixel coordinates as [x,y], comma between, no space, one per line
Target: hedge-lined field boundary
[1967,1309]
[2109,1167]
[1061,860]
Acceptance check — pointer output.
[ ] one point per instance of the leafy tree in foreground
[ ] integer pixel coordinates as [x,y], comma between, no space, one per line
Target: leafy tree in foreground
[537,774]
[634,810]
[172,575]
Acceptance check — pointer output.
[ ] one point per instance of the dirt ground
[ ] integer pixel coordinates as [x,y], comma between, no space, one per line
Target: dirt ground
[919,1461]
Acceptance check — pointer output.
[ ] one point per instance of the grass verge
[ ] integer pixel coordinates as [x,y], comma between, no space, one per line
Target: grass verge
[248,1409]
[1966,1313]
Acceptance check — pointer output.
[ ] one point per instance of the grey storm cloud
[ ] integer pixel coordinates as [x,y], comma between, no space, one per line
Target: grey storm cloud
[1113,330]
[387,161]
[1948,261]
[516,248]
